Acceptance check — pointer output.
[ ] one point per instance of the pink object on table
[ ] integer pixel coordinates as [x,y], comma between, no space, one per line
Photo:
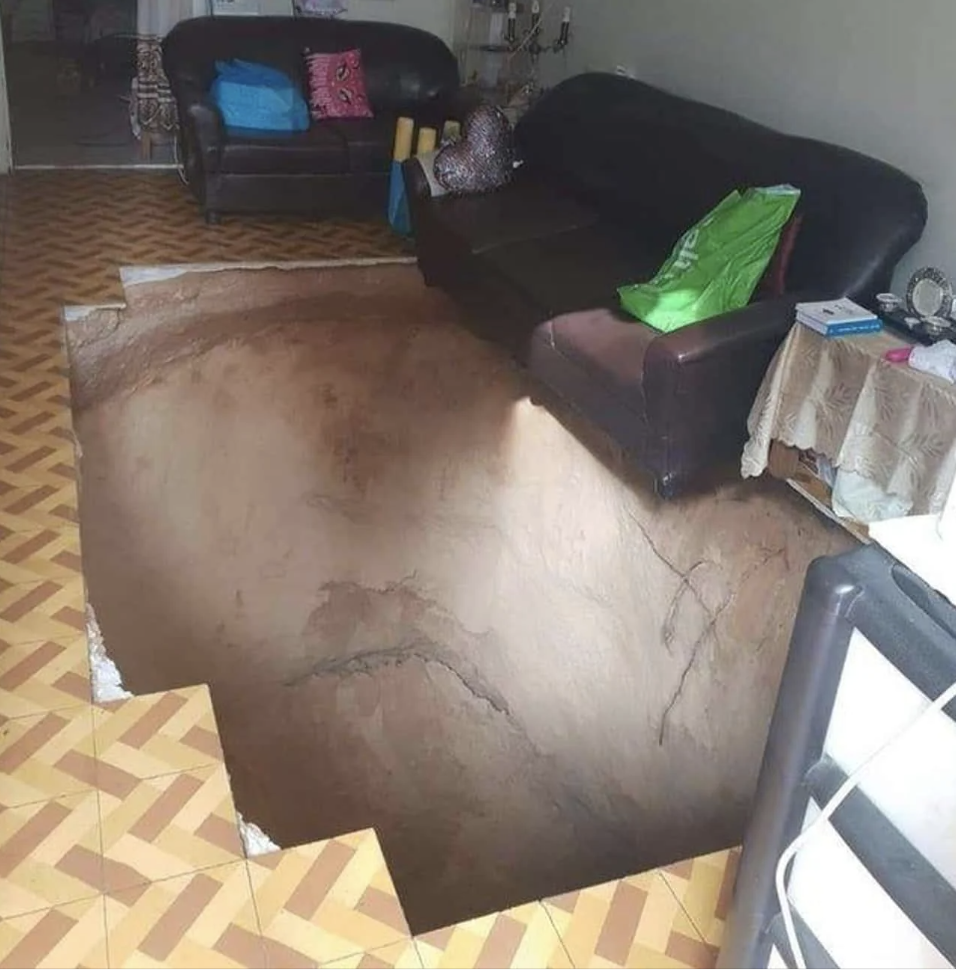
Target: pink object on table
[337,85]
[899,355]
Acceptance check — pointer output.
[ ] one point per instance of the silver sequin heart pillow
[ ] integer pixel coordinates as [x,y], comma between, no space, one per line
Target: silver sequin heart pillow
[484,157]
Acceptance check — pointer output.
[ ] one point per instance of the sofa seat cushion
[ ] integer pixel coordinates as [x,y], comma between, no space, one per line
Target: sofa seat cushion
[368,141]
[604,345]
[319,151]
[573,270]
[524,210]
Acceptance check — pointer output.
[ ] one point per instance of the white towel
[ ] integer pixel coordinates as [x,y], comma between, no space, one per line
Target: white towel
[939,359]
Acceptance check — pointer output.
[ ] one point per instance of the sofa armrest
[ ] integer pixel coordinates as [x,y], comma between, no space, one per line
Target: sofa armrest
[701,381]
[416,182]
[202,126]
[724,335]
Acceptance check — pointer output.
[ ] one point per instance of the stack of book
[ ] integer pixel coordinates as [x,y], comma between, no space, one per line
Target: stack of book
[837,318]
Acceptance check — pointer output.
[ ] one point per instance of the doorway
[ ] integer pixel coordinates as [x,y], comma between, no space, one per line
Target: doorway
[69,68]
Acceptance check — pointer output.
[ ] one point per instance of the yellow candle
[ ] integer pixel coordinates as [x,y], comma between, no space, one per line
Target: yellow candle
[404,132]
[451,131]
[427,139]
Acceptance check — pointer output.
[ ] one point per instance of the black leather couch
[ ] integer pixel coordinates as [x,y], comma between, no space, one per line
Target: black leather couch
[614,172]
[336,167]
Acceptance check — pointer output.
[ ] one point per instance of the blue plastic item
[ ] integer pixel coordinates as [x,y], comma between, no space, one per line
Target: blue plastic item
[399,215]
[256,96]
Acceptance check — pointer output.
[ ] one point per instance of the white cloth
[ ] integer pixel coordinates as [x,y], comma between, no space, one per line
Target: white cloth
[839,397]
[939,359]
[856,497]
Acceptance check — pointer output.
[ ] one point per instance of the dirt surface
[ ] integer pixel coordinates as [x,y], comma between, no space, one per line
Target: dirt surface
[420,602]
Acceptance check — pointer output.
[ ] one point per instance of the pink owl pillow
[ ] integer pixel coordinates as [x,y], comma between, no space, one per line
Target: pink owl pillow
[337,85]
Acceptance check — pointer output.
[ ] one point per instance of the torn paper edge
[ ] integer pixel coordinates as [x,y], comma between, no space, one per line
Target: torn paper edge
[105,678]
[107,685]
[135,275]
[254,840]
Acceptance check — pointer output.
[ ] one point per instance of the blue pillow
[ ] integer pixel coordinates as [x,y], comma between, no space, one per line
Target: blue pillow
[257,96]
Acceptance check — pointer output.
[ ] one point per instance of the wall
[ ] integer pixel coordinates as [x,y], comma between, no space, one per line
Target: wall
[437,16]
[6,147]
[876,75]
[33,20]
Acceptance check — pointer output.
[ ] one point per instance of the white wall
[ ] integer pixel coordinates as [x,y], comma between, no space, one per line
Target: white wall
[6,147]
[876,75]
[437,16]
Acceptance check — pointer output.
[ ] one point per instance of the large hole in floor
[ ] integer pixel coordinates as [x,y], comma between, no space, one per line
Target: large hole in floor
[420,602]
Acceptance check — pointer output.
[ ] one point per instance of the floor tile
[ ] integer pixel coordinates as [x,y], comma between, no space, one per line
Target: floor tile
[26,508]
[521,937]
[633,922]
[158,734]
[33,371]
[159,828]
[73,935]
[51,610]
[32,443]
[49,854]
[200,920]
[18,357]
[704,887]
[45,676]
[326,901]
[37,382]
[46,755]
[27,457]
[40,408]
[398,955]
[31,557]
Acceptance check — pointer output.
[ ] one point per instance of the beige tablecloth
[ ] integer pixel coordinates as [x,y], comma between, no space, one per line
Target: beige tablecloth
[892,424]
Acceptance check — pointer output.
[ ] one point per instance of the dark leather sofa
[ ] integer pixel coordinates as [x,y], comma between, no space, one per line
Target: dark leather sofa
[336,167]
[614,172]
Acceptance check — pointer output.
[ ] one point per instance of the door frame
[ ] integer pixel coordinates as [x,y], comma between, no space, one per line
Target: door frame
[6,140]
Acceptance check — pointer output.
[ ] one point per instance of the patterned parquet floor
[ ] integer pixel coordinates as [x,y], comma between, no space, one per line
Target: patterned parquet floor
[119,843]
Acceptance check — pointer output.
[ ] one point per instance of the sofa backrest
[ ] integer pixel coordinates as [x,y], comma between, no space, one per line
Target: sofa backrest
[404,66]
[656,163]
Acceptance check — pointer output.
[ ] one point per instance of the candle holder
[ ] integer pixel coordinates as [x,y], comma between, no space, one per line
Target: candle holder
[530,43]
[501,44]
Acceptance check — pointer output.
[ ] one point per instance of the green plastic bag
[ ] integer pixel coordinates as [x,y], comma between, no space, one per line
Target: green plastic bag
[715,266]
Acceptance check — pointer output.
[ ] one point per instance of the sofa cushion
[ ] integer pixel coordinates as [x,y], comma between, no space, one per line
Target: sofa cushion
[643,156]
[573,270]
[405,67]
[524,210]
[367,140]
[604,344]
[319,151]
[337,85]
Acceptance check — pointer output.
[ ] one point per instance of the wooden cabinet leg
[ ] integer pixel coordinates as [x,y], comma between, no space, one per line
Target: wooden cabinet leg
[783,461]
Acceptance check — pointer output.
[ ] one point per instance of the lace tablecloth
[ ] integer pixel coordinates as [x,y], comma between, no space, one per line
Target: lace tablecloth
[887,422]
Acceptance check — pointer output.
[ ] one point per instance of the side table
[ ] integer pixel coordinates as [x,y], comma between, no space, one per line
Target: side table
[839,398]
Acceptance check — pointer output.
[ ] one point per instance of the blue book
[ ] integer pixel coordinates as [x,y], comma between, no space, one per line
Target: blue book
[871,325]
[835,311]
